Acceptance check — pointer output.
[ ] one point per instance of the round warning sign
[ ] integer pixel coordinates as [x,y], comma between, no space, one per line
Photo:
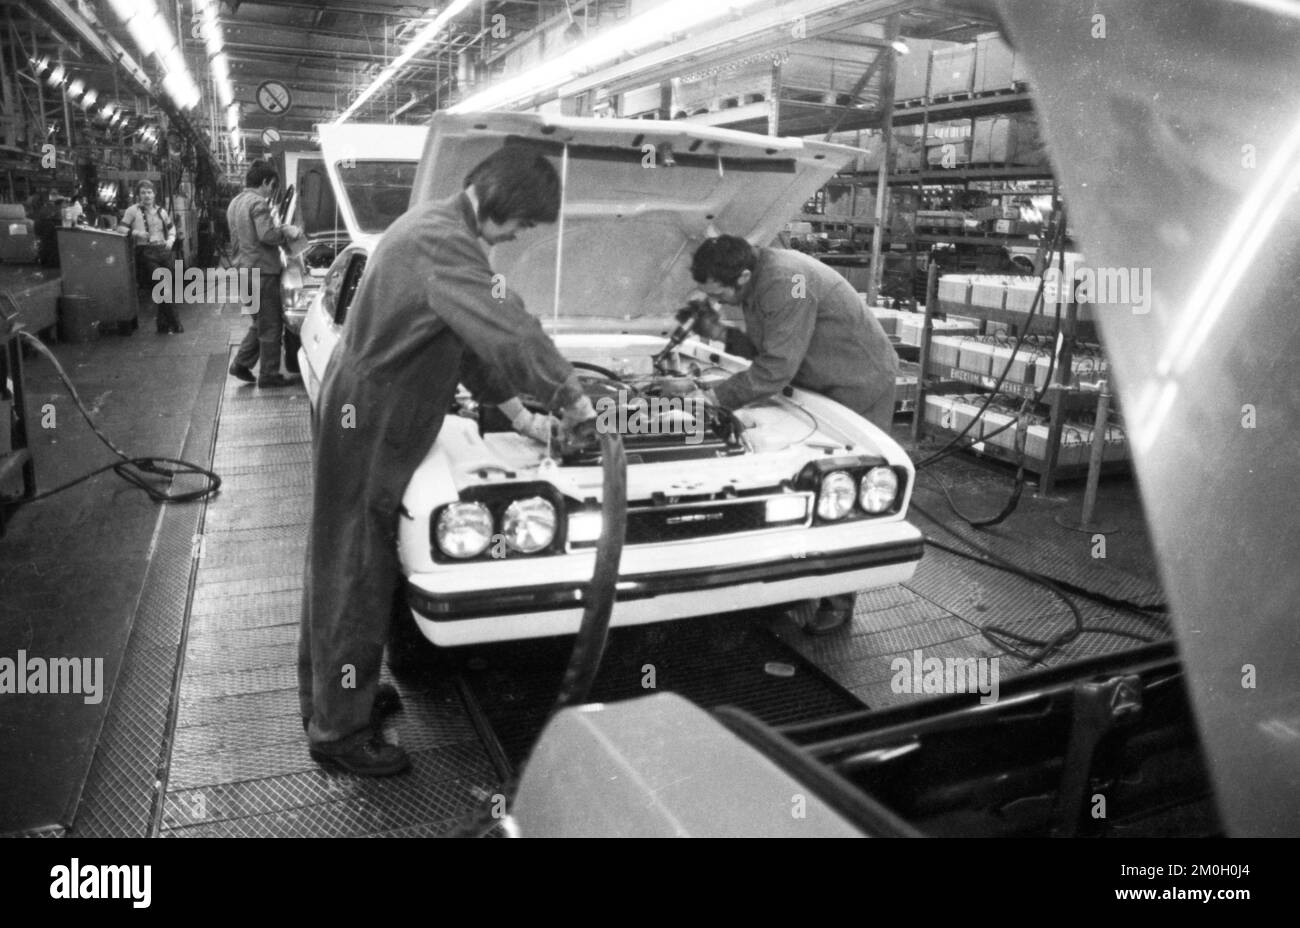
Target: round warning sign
[274,98]
[270,137]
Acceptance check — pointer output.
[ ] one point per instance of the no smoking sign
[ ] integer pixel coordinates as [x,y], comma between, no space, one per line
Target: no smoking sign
[274,98]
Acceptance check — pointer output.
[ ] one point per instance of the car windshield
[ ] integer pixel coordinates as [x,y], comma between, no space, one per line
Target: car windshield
[379,191]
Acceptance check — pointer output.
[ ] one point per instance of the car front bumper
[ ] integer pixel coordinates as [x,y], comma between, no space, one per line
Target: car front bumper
[461,614]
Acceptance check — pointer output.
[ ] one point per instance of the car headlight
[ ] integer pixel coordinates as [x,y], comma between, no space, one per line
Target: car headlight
[528,524]
[878,488]
[464,530]
[835,495]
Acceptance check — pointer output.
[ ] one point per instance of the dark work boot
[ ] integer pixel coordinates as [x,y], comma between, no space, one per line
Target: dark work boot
[366,755]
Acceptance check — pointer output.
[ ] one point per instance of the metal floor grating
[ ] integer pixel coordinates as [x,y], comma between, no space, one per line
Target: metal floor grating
[718,661]
[119,798]
[239,764]
[236,764]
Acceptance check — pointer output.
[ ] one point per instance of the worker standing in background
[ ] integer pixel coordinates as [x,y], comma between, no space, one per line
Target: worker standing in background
[255,238]
[429,314]
[808,329]
[154,234]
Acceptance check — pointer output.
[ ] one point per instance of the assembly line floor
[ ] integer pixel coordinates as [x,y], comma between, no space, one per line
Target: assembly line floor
[194,610]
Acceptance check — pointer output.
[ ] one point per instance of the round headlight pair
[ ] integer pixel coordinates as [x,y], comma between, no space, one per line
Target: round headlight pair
[877,490]
[464,530]
[875,493]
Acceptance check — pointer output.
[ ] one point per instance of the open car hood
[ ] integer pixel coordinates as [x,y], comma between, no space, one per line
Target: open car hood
[371,168]
[639,196]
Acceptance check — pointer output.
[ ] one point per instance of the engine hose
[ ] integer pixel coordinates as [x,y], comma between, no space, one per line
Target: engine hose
[598,598]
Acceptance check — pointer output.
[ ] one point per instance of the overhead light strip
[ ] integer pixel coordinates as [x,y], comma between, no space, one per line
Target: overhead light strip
[650,28]
[153,36]
[423,38]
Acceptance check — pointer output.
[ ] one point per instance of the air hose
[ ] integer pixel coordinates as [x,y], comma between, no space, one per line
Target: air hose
[598,606]
[598,598]
[131,469]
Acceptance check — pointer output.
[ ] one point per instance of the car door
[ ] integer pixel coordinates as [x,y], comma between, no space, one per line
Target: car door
[328,314]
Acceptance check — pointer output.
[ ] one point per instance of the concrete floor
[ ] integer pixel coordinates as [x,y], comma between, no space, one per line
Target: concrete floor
[193,609]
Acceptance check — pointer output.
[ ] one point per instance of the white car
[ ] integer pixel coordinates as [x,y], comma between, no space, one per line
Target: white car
[791,499]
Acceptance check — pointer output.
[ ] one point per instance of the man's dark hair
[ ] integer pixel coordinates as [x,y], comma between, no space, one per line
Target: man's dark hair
[722,259]
[259,172]
[516,183]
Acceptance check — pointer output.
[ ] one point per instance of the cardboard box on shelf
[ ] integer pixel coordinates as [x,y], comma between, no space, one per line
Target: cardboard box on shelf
[1076,445]
[938,411]
[952,70]
[945,350]
[954,288]
[975,356]
[913,70]
[988,292]
[994,64]
[1010,138]
[1020,294]
[999,428]
[911,325]
[965,411]
[1036,441]
[1116,447]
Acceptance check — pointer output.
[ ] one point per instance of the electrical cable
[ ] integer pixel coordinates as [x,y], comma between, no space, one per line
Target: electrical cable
[127,466]
[1003,637]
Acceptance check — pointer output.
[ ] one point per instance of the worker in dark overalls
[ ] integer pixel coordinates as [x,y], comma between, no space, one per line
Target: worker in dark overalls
[808,329]
[426,317]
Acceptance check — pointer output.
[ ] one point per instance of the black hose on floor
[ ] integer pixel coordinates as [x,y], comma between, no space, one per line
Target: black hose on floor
[138,471]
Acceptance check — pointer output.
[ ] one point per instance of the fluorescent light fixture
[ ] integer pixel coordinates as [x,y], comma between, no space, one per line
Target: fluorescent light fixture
[900,46]
[422,38]
[650,28]
[232,118]
[174,61]
[89,99]
[76,88]
[147,30]
[181,89]
[57,75]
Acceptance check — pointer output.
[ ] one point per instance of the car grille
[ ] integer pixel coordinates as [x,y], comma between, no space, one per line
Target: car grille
[659,524]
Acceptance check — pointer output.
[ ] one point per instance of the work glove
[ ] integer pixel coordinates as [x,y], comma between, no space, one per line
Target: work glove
[291,232]
[535,425]
[578,427]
